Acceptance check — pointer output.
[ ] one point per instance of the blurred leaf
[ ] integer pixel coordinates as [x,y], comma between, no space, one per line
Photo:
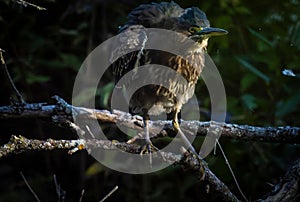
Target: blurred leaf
[286,107]
[105,93]
[64,61]
[85,95]
[253,69]
[33,78]
[247,81]
[261,37]
[249,101]
[82,25]
[71,60]
[54,64]
[295,35]
[72,32]
[288,72]
[94,169]
[243,10]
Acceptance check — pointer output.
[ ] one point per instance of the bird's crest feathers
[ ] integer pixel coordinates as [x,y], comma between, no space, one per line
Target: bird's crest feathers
[160,15]
[151,14]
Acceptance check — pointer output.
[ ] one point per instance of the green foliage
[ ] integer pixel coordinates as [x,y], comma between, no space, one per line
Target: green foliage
[254,70]
[286,107]
[263,42]
[105,93]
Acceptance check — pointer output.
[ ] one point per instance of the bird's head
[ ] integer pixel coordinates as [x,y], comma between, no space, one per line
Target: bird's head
[195,24]
[168,15]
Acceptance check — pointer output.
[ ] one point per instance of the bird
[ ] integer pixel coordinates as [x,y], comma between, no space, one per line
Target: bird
[157,99]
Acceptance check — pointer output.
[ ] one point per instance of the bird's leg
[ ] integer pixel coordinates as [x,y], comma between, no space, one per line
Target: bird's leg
[149,146]
[187,143]
[176,125]
[146,131]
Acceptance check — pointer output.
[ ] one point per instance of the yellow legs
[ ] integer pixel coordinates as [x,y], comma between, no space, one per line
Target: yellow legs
[186,142]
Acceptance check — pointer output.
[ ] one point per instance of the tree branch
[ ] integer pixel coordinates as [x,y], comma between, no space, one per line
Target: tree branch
[288,188]
[25,4]
[19,144]
[61,112]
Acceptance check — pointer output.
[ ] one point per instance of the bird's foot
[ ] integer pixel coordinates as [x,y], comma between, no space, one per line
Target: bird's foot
[147,149]
[202,164]
[150,149]
[196,161]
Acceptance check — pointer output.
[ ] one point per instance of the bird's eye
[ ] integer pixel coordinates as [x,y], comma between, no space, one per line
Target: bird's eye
[195,29]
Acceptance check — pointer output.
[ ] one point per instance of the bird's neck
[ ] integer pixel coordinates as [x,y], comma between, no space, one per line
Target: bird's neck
[200,47]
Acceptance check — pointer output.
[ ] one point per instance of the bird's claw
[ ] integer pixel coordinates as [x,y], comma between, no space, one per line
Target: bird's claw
[191,157]
[149,148]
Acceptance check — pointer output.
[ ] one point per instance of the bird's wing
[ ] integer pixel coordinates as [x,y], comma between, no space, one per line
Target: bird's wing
[129,52]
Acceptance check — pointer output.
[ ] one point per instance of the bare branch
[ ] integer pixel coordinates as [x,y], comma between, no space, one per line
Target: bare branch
[109,194]
[61,194]
[21,144]
[25,4]
[29,187]
[288,188]
[209,178]
[81,195]
[62,113]
[11,82]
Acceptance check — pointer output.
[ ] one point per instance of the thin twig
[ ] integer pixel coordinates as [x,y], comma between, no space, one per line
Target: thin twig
[90,132]
[29,187]
[25,4]
[231,171]
[81,196]
[11,82]
[110,193]
[59,191]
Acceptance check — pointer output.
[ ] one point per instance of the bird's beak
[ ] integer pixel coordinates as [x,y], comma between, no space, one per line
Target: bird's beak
[211,31]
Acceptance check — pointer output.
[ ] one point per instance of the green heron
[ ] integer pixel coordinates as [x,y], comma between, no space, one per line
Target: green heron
[156,99]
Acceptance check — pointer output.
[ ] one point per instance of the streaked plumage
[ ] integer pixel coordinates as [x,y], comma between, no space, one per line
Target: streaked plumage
[155,99]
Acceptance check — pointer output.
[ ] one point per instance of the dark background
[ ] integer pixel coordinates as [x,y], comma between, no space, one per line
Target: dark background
[45,49]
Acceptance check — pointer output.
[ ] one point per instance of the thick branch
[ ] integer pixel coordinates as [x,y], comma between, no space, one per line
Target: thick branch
[62,112]
[21,144]
[288,188]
